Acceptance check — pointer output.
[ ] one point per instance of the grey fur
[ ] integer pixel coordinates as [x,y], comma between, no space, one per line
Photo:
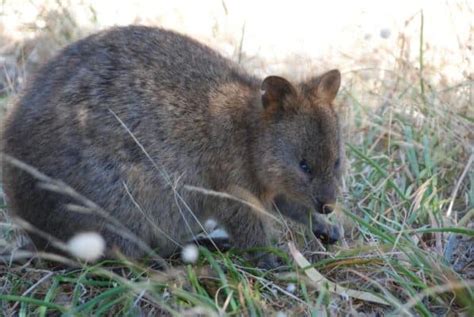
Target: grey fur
[199,117]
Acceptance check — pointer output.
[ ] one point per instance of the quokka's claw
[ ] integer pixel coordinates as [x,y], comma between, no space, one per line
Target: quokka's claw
[328,233]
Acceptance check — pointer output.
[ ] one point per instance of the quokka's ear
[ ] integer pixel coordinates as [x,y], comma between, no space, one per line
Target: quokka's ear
[327,86]
[275,90]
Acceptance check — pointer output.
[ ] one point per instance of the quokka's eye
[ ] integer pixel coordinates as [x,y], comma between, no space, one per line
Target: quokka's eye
[337,163]
[305,167]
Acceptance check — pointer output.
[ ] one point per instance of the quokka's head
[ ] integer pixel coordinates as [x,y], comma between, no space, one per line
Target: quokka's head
[300,150]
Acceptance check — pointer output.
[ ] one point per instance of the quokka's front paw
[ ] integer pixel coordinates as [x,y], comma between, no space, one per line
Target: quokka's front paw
[216,240]
[327,232]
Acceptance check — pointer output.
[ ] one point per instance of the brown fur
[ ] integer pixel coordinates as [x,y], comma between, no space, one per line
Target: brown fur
[202,120]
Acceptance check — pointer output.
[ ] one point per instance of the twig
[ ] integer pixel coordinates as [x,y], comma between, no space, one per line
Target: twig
[254,205]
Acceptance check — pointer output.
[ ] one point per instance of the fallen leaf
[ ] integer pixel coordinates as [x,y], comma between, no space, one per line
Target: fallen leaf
[322,282]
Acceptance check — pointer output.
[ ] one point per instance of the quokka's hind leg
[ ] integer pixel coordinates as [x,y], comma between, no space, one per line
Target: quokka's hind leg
[65,224]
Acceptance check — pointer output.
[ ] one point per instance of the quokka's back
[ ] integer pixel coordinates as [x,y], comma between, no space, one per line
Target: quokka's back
[127,116]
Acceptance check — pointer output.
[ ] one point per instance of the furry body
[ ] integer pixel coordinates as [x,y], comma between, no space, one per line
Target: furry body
[202,121]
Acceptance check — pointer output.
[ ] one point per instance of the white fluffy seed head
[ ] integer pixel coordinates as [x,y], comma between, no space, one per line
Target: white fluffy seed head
[210,225]
[291,287]
[190,253]
[281,314]
[88,246]
[385,33]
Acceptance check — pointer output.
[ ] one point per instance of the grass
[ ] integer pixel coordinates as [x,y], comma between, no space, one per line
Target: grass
[409,186]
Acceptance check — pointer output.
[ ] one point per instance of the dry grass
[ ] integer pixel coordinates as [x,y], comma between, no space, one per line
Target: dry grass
[409,191]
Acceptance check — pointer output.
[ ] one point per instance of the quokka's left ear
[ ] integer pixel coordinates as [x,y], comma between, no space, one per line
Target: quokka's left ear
[325,87]
[275,90]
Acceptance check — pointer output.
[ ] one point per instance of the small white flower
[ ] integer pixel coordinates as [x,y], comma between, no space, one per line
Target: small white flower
[291,288]
[88,246]
[190,253]
[210,225]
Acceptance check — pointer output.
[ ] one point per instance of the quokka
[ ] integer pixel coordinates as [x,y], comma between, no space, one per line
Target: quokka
[127,117]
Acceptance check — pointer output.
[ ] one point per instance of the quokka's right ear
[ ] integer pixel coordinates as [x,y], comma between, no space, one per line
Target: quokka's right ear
[325,87]
[275,90]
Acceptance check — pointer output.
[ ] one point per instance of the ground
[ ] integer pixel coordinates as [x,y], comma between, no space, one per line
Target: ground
[408,195]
